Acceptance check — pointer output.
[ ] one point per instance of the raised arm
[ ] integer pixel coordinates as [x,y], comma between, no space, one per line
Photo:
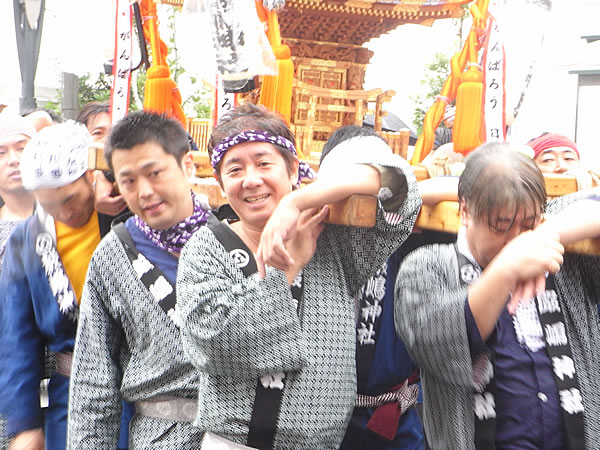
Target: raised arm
[527,257]
[577,221]
[361,250]
[282,227]
[438,189]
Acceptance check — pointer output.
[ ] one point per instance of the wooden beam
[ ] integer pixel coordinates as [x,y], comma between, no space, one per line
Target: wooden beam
[556,185]
[357,210]
[442,217]
[360,210]
[202,164]
[96,158]
[445,217]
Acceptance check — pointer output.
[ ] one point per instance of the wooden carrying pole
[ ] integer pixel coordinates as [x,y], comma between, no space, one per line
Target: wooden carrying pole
[357,210]
[360,210]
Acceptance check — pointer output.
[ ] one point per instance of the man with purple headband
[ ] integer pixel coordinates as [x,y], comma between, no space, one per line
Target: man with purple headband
[267,302]
[128,345]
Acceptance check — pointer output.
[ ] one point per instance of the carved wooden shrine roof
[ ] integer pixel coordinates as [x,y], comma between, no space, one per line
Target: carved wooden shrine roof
[356,22]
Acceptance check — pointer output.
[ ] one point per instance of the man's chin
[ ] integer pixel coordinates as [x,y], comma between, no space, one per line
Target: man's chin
[158,225]
[15,188]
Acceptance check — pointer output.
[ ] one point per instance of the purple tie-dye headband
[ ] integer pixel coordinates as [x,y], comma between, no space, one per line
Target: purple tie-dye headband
[305,171]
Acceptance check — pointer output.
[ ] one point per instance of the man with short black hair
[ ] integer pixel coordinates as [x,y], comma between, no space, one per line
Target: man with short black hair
[128,345]
[16,204]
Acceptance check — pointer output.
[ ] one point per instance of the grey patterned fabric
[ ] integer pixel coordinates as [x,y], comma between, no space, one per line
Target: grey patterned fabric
[430,318]
[238,329]
[126,345]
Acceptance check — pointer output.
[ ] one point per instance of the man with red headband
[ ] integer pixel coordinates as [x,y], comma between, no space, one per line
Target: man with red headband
[554,153]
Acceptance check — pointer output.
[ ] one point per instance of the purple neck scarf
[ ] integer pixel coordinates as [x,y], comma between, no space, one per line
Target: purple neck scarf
[173,239]
[304,170]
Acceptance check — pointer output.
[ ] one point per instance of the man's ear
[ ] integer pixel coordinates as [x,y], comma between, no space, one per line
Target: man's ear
[188,166]
[216,175]
[90,175]
[295,175]
[464,214]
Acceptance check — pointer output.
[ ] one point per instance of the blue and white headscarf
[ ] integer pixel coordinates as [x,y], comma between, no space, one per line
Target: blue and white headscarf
[56,156]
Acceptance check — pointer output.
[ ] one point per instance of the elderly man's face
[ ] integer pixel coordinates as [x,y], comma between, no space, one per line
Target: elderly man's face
[557,160]
[487,239]
[11,148]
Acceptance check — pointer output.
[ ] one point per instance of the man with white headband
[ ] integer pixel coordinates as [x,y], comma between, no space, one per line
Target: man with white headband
[16,204]
[128,345]
[41,284]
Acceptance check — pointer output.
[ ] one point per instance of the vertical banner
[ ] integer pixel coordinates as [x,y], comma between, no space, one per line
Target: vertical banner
[494,80]
[224,101]
[119,97]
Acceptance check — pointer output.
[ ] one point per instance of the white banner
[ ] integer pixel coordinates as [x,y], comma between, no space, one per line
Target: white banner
[494,73]
[224,101]
[119,99]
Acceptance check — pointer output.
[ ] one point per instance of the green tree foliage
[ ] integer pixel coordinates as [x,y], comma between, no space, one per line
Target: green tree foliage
[196,105]
[436,73]
[94,91]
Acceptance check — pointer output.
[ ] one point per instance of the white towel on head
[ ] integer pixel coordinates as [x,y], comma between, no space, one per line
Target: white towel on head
[13,124]
[56,156]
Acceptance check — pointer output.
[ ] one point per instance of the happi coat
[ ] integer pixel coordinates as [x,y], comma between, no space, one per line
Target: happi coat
[237,330]
[127,347]
[430,318]
[38,310]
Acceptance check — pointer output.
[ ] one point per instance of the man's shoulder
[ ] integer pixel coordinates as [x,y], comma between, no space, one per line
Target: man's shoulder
[106,247]
[19,230]
[428,259]
[432,251]
[6,228]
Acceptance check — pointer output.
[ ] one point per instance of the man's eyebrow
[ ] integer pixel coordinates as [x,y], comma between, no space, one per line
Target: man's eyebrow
[235,159]
[230,161]
[558,149]
[145,166]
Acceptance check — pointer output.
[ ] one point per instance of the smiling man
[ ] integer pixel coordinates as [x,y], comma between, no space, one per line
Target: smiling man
[128,345]
[41,283]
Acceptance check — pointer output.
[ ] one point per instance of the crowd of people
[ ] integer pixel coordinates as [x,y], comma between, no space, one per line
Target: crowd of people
[132,315]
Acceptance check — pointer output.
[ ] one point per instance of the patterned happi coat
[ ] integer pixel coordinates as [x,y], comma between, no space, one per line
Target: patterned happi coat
[237,330]
[38,310]
[430,318]
[127,347]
